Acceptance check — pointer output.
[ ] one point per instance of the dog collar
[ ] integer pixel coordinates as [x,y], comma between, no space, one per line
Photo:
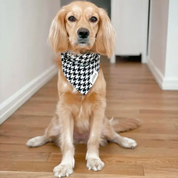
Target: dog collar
[81,70]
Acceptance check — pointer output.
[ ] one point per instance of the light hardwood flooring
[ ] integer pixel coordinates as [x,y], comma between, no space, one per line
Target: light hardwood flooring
[131,92]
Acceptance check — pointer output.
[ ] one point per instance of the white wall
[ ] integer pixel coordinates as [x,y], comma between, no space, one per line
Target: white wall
[26,61]
[163,43]
[158,33]
[172,42]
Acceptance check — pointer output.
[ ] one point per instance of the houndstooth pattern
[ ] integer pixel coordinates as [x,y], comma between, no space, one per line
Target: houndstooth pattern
[80,70]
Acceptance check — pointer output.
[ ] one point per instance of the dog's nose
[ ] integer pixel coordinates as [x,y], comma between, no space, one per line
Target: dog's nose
[83,32]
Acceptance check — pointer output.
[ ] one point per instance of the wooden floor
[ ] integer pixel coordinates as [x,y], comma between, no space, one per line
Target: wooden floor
[131,92]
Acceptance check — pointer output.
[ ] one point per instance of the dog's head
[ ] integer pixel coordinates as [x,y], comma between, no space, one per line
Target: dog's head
[82,26]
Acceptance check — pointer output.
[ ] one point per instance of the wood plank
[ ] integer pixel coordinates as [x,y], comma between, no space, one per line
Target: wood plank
[16,174]
[30,166]
[157,161]
[44,109]
[159,171]
[32,132]
[12,127]
[48,148]
[26,120]
[158,111]
[13,140]
[23,156]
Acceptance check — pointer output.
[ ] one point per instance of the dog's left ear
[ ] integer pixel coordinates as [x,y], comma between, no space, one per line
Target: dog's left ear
[106,35]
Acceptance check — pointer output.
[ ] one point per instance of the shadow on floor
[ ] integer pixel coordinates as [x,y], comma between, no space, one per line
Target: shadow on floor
[122,59]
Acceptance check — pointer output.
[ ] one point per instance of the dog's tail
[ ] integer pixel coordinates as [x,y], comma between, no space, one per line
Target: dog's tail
[124,124]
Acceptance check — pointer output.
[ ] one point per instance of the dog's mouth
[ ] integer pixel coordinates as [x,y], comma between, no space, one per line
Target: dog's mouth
[82,42]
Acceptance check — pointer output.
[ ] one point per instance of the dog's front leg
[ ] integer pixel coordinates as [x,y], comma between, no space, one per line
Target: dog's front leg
[93,160]
[66,122]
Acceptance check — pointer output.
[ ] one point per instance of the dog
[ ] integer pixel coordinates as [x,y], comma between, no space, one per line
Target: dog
[82,28]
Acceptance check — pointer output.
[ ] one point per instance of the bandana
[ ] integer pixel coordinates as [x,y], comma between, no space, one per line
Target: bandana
[81,70]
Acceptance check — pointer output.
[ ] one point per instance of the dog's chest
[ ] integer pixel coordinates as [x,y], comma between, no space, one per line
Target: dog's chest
[82,119]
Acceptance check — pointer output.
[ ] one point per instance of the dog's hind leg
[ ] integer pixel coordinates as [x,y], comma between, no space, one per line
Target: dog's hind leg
[110,134]
[51,133]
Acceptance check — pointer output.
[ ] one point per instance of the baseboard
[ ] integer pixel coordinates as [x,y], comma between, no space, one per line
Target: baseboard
[163,82]
[156,73]
[9,106]
[170,84]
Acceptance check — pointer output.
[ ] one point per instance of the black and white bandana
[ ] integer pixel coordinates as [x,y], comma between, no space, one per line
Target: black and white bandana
[81,70]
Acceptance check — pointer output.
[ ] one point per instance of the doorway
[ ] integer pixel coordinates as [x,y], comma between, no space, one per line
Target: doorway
[105,4]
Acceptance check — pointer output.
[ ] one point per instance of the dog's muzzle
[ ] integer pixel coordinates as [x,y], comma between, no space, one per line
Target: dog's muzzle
[83,36]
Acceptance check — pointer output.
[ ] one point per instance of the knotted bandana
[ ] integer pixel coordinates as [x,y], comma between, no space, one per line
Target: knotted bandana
[81,70]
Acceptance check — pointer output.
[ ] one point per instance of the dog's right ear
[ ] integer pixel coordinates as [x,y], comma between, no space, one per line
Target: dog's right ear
[57,34]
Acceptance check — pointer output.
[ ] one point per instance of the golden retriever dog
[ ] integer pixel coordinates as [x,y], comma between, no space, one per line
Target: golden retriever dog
[82,28]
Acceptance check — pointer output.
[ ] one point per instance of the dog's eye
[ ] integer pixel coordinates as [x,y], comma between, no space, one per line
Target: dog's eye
[93,19]
[72,19]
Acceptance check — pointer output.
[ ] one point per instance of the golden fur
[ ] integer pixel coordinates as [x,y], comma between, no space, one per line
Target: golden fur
[81,118]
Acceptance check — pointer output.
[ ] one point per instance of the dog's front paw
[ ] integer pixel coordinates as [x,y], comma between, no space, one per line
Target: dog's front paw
[63,170]
[95,164]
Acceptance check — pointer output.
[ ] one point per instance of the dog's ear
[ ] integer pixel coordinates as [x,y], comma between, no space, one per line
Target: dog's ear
[106,35]
[57,33]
